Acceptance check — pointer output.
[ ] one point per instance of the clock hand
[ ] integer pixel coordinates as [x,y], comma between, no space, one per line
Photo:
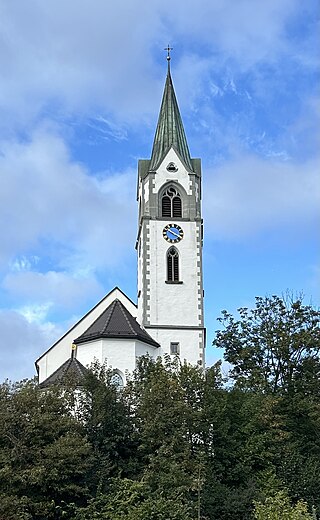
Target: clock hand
[174,233]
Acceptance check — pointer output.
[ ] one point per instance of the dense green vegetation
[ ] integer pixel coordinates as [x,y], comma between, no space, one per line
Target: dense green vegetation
[176,444]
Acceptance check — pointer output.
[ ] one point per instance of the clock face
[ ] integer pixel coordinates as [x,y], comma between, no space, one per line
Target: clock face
[172,233]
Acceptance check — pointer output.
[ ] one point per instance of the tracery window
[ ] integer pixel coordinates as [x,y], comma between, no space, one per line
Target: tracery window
[117,381]
[172,265]
[171,203]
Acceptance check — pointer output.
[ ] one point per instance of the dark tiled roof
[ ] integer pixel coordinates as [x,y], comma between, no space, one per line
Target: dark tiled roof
[83,318]
[116,322]
[71,370]
[170,131]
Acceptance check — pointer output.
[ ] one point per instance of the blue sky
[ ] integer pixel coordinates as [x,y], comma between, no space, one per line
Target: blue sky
[80,91]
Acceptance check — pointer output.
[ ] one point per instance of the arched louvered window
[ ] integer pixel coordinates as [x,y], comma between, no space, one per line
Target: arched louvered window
[176,207]
[166,206]
[171,203]
[172,265]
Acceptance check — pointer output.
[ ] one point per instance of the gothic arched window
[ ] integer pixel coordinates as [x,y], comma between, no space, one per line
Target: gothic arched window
[171,203]
[117,381]
[172,265]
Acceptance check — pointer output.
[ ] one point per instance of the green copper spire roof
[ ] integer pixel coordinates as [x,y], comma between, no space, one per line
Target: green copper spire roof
[170,131]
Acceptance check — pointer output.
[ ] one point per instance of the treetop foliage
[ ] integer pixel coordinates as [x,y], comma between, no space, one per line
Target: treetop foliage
[273,347]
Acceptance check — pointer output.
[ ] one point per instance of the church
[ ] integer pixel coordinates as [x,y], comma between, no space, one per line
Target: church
[168,318]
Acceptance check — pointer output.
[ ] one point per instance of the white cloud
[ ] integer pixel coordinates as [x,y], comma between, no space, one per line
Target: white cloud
[24,263]
[53,213]
[21,342]
[63,290]
[35,313]
[46,198]
[108,129]
[74,56]
[248,195]
[86,57]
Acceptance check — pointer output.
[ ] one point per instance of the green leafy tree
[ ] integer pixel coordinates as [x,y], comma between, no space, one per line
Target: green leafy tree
[44,454]
[105,414]
[278,507]
[169,420]
[177,442]
[131,500]
[273,346]
[274,352]
[230,487]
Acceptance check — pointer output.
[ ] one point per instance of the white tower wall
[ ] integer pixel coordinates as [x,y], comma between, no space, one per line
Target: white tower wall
[171,312]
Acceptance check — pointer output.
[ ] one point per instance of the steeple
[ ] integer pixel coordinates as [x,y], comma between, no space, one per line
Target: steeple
[169,241]
[170,131]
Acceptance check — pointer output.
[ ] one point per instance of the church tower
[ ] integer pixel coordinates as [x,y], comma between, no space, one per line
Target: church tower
[169,241]
[169,316]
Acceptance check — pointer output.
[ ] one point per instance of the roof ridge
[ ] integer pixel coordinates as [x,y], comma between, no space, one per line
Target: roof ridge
[61,372]
[63,366]
[79,365]
[113,306]
[126,318]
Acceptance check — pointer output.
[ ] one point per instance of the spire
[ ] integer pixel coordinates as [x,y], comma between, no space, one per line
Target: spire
[170,131]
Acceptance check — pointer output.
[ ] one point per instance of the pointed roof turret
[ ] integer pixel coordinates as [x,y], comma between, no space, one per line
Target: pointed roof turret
[116,322]
[70,370]
[170,131]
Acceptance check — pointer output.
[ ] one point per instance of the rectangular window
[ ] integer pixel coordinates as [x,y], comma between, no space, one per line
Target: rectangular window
[174,349]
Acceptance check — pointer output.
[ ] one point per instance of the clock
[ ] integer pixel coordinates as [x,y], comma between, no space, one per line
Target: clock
[172,233]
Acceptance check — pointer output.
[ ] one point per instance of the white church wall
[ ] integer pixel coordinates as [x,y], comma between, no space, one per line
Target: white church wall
[173,305]
[143,349]
[146,190]
[88,352]
[118,354]
[191,343]
[140,287]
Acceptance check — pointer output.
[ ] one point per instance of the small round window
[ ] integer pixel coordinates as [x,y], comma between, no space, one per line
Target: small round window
[172,167]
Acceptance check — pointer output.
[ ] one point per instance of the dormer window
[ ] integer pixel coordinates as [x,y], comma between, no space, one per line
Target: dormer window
[171,203]
[172,167]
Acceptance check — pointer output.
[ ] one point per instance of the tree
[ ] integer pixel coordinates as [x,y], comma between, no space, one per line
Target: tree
[44,453]
[168,414]
[131,500]
[273,346]
[274,352]
[278,507]
[105,414]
